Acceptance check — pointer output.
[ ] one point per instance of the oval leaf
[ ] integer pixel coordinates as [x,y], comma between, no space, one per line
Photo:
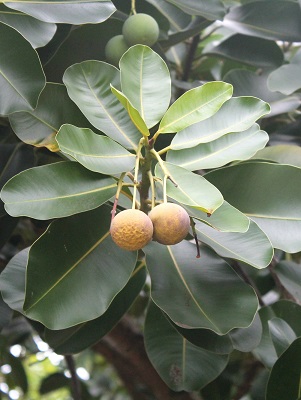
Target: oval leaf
[235,115]
[195,105]
[82,274]
[281,333]
[211,10]
[239,245]
[56,190]
[282,154]
[39,127]
[68,12]
[184,365]
[88,85]
[228,148]
[247,186]
[198,292]
[272,23]
[21,76]
[80,337]
[38,33]
[289,274]
[145,81]
[95,152]
[192,189]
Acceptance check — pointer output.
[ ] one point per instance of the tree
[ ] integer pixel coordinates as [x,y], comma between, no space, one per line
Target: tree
[206,118]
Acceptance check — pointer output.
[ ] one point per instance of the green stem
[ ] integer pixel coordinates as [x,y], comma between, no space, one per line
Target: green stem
[161,163]
[153,190]
[133,7]
[136,183]
[119,187]
[165,150]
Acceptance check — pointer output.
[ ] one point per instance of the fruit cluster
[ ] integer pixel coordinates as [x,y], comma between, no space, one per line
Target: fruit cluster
[137,29]
[167,223]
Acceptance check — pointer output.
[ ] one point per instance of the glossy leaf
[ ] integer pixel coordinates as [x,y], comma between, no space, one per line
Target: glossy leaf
[272,23]
[246,339]
[194,106]
[198,292]
[12,281]
[80,337]
[184,366]
[39,127]
[96,153]
[56,190]
[145,81]
[211,10]
[289,312]
[289,274]
[68,12]
[192,190]
[238,245]
[248,83]
[82,274]
[177,18]
[282,334]
[226,218]
[132,111]
[21,75]
[286,78]
[14,158]
[236,115]
[249,50]
[6,313]
[231,147]
[282,154]
[38,33]
[248,186]
[88,85]
[284,380]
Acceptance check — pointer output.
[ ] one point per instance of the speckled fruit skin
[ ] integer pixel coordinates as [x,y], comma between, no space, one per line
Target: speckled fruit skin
[140,29]
[171,223]
[131,229]
[115,48]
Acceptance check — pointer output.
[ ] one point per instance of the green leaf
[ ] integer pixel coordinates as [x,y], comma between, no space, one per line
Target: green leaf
[281,333]
[284,380]
[12,281]
[56,190]
[247,186]
[145,81]
[69,12]
[290,313]
[80,337]
[81,275]
[38,33]
[184,365]
[39,127]
[237,245]
[246,339]
[194,106]
[272,23]
[198,292]
[6,313]
[192,190]
[231,147]
[97,153]
[21,75]
[236,115]
[282,154]
[289,274]
[226,218]
[18,374]
[249,83]
[286,79]
[177,18]
[211,10]
[248,50]
[88,85]
[132,111]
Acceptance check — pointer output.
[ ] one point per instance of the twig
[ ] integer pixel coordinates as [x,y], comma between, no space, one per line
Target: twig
[75,386]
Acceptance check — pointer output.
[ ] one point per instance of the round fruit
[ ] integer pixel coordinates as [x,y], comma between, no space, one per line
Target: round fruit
[115,48]
[131,229]
[140,29]
[171,223]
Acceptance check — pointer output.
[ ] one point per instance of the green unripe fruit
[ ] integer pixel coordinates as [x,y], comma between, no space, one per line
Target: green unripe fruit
[131,229]
[171,223]
[140,29]
[115,48]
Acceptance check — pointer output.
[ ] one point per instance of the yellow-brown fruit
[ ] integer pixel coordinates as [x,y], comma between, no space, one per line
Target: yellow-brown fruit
[171,223]
[131,229]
